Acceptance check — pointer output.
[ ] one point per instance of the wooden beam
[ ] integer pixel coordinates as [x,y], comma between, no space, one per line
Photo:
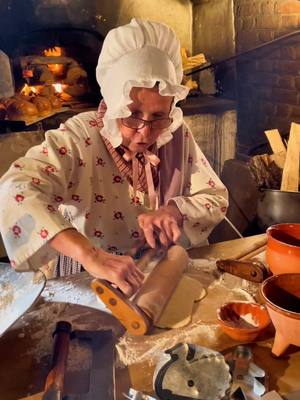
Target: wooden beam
[290,175]
[275,141]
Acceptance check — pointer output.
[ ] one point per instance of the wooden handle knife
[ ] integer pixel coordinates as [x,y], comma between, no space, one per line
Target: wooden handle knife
[254,271]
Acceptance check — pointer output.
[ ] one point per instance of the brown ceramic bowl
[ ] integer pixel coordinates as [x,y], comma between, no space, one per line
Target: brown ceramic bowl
[242,321]
[282,297]
[283,248]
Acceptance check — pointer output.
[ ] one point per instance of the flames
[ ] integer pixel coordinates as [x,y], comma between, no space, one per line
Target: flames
[54,83]
[56,51]
[53,52]
[28,90]
[59,87]
[56,69]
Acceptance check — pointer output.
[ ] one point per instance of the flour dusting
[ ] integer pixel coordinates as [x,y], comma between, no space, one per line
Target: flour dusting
[203,330]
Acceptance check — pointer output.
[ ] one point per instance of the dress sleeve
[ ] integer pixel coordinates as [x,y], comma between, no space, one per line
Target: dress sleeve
[205,199]
[30,194]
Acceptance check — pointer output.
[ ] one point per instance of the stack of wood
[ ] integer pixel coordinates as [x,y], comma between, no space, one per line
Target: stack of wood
[279,170]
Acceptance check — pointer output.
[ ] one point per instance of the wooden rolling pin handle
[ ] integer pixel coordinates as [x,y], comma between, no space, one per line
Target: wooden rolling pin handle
[55,378]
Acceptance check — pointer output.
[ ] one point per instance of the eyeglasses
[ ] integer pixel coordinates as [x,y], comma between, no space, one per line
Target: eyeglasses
[139,123]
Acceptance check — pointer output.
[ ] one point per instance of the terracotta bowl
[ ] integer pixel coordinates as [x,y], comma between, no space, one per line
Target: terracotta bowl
[283,248]
[242,321]
[282,297]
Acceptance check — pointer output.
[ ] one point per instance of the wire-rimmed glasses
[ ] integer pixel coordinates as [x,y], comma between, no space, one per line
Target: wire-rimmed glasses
[139,123]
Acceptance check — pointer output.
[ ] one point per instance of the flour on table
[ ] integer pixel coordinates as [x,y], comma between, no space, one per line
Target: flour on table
[203,328]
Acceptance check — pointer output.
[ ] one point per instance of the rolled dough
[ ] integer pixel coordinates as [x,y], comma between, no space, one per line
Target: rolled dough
[178,312]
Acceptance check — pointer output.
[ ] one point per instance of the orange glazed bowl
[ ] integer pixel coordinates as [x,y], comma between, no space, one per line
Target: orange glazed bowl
[282,296]
[283,248]
[242,321]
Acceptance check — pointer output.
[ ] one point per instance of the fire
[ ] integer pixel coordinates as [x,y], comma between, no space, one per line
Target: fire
[55,52]
[38,89]
[28,90]
[59,87]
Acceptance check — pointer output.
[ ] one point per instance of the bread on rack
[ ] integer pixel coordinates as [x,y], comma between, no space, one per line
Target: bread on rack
[19,109]
[43,105]
[55,102]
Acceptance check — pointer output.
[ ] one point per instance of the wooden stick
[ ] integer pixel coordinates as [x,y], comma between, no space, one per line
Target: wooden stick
[275,141]
[253,253]
[256,247]
[235,248]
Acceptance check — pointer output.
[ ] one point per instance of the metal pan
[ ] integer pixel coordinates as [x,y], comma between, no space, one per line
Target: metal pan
[276,206]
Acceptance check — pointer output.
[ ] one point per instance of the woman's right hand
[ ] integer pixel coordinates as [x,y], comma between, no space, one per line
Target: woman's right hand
[119,270]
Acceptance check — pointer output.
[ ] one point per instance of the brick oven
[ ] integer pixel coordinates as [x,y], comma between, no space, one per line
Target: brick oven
[264,83]
[52,54]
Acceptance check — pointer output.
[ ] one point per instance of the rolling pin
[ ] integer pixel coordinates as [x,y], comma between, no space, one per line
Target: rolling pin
[139,313]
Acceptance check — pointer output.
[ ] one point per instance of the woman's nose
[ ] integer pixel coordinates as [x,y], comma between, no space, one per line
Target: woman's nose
[145,130]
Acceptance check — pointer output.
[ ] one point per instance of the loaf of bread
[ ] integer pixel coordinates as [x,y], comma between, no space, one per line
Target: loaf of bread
[47,91]
[55,102]
[21,110]
[43,105]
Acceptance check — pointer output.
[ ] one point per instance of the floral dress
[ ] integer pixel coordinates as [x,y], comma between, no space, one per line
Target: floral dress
[72,173]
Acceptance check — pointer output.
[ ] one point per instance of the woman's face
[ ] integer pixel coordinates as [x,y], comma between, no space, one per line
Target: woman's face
[149,105]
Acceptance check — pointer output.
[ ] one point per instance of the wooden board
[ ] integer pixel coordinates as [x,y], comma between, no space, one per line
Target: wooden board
[275,141]
[290,175]
[278,158]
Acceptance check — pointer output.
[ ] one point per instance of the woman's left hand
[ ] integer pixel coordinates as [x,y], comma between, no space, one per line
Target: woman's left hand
[163,224]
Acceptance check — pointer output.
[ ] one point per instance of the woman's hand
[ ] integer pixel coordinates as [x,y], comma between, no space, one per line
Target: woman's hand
[163,224]
[119,270]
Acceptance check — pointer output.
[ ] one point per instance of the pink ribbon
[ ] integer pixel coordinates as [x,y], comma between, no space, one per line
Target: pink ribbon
[150,159]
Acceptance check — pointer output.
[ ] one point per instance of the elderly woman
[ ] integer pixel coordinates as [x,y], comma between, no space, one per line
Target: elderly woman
[105,179]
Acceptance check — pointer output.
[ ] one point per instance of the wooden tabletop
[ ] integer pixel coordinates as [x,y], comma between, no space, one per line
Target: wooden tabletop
[26,348]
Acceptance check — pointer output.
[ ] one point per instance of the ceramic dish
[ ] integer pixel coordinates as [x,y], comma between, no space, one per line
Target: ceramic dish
[243,321]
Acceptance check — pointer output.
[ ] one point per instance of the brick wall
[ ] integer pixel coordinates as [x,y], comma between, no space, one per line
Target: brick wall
[268,81]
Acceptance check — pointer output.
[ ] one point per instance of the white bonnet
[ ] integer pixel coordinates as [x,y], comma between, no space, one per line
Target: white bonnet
[139,54]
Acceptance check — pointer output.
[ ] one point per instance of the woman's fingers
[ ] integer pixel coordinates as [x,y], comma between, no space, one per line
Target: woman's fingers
[163,238]
[176,232]
[149,234]
[128,272]
[166,229]
[126,287]
[134,282]
[171,229]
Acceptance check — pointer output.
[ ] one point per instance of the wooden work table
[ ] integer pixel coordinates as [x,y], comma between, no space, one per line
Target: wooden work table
[25,349]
